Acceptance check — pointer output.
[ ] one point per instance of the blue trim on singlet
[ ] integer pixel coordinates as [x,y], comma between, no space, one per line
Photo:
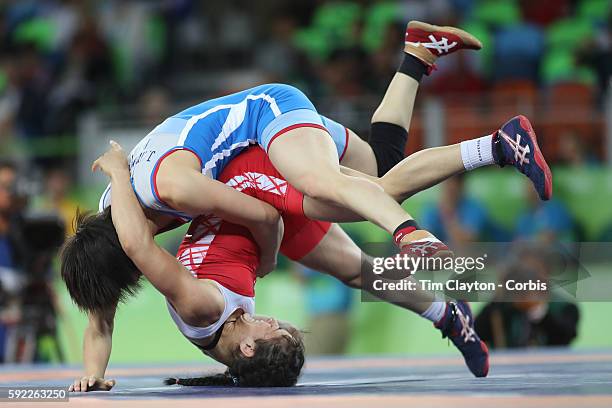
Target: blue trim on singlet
[152,180]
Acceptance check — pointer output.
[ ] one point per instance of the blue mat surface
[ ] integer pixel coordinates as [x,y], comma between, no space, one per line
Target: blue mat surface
[524,375]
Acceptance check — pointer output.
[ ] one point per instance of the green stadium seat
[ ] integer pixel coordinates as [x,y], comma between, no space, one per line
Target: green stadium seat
[570,33]
[594,10]
[480,31]
[502,191]
[313,42]
[331,28]
[377,18]
[497,13]
[559,65]
[38,31]
[588,193]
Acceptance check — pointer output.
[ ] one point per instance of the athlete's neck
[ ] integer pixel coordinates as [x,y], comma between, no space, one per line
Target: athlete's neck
[227,347]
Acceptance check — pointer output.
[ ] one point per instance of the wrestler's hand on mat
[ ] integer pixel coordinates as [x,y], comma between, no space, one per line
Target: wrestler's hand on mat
[91,383]
[113,160]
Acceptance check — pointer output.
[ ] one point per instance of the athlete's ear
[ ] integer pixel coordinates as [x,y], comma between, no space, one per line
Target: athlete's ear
[247,347]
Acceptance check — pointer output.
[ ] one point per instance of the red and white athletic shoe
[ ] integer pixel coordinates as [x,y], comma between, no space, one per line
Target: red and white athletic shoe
[427,248]
[427,42]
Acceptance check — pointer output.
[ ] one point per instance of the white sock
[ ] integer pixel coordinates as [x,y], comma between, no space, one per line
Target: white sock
[477,152]
[435,312]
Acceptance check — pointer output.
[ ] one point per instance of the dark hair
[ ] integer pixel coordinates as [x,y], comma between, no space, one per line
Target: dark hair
[96,270]
[277,363]
[8,165]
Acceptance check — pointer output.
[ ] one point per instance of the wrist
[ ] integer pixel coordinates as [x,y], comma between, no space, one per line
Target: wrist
[120,173]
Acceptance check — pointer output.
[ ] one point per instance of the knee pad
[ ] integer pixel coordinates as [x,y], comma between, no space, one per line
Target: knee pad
[388,142]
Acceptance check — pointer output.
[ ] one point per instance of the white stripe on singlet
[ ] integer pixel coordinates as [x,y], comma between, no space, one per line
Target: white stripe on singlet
[234,119]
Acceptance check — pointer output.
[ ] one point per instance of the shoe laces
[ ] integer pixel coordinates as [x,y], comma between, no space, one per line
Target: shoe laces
[466,331]
[466,328]
[521,153]
[441,46]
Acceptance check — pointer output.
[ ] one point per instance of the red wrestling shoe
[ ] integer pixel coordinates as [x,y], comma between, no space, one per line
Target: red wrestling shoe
[427,248]
[427,42]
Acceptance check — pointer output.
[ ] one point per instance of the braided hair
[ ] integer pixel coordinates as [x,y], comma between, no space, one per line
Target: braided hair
[214,380]
[277,362]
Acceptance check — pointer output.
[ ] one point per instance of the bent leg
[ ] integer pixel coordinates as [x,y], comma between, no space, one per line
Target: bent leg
[307,158]
[415,173]
[389,130]
[338,256]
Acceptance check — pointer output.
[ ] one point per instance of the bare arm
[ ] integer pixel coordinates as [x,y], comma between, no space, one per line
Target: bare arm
[164,272]
[97,345]
[186,189]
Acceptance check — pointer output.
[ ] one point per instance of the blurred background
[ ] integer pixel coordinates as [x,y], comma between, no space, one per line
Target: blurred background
[76,73]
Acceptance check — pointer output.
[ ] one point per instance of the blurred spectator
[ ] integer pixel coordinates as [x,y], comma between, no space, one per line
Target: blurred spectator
[11,258]
[457,218]
[520,49]
[154,106]
[27,299]
[55,197]
[546,221]
[328,303]
[386,58]
[597,54]
[277,56]
[528,318]
[84,78]
[343,79]
[129,27]
[235,33]
[574,152]
[33,84]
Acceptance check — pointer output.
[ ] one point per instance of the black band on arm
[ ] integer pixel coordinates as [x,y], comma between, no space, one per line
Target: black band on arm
[388,142]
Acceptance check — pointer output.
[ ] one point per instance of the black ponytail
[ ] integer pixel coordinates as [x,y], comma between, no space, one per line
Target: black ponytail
[215,380]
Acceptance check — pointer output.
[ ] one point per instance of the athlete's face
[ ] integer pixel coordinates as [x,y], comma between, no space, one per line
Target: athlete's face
[252,328]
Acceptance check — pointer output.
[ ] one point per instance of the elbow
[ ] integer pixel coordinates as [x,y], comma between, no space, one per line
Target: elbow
[129,247]
[134,247]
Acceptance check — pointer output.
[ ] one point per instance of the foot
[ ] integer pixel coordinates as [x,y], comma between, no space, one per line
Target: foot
[458,325]
[516,144]
[427,42]
[422,244]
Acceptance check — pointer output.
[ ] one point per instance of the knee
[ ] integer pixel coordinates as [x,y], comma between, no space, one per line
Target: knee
[391,188]
[320,187]
[388,142]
